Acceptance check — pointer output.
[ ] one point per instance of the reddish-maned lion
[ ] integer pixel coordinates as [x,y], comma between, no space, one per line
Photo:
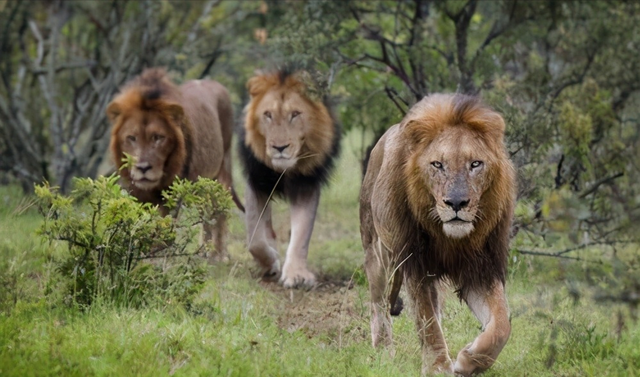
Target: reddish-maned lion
[171,132]
[288,145]
[436,206]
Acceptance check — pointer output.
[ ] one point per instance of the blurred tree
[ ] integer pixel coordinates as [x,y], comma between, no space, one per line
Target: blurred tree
[61,63]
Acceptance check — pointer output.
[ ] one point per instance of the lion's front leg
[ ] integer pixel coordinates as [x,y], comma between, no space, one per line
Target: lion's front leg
[491,309]
[259,233]
[303,214]
[435,353]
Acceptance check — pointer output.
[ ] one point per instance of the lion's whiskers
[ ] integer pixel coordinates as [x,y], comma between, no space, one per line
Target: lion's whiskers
[433,214]
[302,157]
[479,216]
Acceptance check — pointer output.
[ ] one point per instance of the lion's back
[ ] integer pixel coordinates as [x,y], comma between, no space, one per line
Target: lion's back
[208,107]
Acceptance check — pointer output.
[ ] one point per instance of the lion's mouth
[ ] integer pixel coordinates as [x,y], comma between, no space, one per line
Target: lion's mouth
[146,180]
[144,183]
[457,220]
[283,163]
[457,228]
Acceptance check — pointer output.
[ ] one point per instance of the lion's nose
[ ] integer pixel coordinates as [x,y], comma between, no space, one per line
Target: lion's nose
[143,167]
[456,203]
[281,147]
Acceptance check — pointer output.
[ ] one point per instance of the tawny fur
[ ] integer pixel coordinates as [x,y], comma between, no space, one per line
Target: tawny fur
[288,145]
[411,171]
[195,121]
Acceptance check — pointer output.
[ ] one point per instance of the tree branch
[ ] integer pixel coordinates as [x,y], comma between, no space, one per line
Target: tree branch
[554,255]
[599,183]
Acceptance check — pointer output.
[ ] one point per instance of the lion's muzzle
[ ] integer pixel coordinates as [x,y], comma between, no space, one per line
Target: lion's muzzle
[144,177]
[456,214]
[282,156]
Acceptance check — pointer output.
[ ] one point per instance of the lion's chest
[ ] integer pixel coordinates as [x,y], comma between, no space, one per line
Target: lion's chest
[289,184]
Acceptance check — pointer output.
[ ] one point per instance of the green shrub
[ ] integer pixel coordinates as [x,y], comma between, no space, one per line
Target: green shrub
[118,248]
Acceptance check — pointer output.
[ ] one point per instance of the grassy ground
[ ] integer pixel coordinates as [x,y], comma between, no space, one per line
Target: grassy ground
[239,326]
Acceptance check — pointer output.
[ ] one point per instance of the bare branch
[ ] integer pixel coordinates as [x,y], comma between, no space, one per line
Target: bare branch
[599,183]
[555,255]
[393,96]
[462,20]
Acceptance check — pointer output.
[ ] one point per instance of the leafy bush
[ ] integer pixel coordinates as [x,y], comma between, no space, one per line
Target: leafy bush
[118,248]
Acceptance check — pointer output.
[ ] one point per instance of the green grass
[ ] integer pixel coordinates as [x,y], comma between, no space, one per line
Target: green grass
[239,326]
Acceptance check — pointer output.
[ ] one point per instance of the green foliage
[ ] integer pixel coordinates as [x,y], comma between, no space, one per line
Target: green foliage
[110,234]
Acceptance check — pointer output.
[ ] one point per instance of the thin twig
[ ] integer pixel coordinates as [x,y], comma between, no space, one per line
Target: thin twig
[599,183]
[555,255]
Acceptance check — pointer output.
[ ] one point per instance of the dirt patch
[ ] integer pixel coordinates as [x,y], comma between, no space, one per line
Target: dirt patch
[332,309]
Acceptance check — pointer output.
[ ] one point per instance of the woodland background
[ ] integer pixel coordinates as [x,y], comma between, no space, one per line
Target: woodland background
[565,75]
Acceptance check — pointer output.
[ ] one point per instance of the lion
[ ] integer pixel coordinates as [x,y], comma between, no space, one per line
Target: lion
[288,146]
[436,206]
[171,132]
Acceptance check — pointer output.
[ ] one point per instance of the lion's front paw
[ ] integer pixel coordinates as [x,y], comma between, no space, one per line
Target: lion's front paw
[470,363]
[272,272]
[297,278]
[441,366]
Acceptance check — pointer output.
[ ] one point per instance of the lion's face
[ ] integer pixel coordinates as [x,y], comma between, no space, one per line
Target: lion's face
[286,128]
[456,168]
[150,141]
[283,121]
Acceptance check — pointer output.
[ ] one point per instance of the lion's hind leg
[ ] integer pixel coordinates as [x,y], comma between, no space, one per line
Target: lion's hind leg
[491,309]
[216,234]
[378,269]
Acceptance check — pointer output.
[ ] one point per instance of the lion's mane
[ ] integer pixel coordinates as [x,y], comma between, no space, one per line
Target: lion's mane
[322,142]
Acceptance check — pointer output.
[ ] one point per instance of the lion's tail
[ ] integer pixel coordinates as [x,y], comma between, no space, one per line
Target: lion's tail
[396,307]
[236,200]
[394,296]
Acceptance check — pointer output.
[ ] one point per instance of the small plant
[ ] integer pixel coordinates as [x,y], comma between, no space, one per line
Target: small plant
[110,234]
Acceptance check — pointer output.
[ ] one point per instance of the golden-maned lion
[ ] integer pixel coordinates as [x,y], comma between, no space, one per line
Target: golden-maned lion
[171,132]
[436,205]
[288,146]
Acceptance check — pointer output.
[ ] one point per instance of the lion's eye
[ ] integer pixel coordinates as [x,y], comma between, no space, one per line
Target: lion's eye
[131,138]
[437,164]
[294,114]
[156,137]
[267,114]
[476,164]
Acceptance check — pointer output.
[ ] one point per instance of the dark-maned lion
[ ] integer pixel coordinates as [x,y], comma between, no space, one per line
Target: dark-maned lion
[171,132]
[436,205]
[288,146]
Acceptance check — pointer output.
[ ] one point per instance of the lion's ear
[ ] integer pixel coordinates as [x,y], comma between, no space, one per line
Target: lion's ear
[174,111]
[113,111]
[304,82]
[257,85]
[416,133]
